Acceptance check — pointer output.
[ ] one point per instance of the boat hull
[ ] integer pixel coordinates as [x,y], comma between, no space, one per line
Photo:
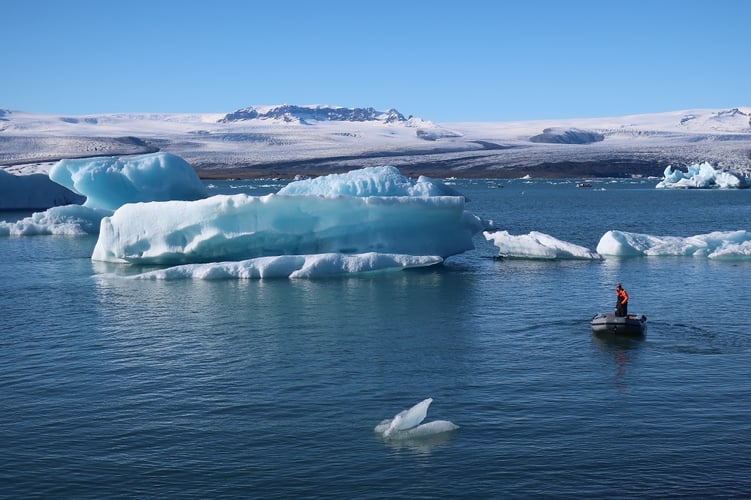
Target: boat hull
[631,325]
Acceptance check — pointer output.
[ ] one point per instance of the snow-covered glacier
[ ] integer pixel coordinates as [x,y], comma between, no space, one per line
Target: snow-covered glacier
[369,218]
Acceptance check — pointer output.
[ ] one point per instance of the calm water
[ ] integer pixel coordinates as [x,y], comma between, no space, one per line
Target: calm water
[114,388]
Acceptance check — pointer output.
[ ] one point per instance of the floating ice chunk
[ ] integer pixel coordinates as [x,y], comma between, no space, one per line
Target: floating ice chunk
[715,245]
[69,220]
[370,181]
[240,227]
[293,266]
[409,418]
[536,245]
[407,424]
[700,176]
[427,430]
[109,182]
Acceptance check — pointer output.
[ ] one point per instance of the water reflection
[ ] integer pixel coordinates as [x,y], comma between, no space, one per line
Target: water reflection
[622,351]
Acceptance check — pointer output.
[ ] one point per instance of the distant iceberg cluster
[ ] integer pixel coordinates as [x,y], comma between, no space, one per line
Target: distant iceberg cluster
[700,176]
[726,245]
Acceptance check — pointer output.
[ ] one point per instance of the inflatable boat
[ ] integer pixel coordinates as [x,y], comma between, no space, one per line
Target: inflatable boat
[632,325]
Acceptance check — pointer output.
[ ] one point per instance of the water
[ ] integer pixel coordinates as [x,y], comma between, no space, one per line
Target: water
[115,388]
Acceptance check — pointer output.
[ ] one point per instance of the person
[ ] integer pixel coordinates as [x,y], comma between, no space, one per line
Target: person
[621,304]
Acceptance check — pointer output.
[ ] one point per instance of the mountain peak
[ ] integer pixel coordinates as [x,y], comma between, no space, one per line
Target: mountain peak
[304,114]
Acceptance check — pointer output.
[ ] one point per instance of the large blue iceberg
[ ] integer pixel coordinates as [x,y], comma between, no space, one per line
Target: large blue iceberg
[364,211]
[109,182]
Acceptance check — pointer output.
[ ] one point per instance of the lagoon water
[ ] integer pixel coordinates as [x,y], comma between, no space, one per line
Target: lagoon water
[116,388]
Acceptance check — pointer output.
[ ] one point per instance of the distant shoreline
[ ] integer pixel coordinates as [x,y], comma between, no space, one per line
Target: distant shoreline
[614,168]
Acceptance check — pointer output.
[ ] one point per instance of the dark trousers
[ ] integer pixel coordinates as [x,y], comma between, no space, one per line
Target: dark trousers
[621,309]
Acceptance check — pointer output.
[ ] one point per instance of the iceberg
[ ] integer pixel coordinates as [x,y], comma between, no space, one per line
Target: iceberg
[700,176]
[292,266]
[306,219]
[108,182]
[104,184]
[715,245]
[369,181]
[537,245]
[407,424]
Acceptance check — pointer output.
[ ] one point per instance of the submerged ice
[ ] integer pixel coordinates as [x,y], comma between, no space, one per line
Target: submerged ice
[293,266]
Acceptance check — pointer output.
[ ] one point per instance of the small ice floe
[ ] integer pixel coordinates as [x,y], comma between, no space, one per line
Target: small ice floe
[536,245]
[407,424]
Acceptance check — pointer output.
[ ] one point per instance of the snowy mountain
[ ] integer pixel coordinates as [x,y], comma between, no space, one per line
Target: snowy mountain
[304,114]
[287,140]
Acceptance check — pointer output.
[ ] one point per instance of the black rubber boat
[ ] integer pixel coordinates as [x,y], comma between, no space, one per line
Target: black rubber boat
[631,325]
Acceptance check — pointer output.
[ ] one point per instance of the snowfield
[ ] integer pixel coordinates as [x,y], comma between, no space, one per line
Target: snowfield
[284,141]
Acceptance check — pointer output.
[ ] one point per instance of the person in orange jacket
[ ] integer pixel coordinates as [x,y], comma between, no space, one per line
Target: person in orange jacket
[621,304]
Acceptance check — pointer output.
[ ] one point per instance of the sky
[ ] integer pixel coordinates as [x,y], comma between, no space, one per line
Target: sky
[445,61]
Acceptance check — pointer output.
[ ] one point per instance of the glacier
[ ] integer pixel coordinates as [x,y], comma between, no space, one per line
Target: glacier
[700,176]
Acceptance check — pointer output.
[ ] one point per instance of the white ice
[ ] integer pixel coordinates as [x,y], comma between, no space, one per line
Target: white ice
[407,424]
[715,245]
[700,176]
[536,245]
[68,220]
[240,227]
[293,266]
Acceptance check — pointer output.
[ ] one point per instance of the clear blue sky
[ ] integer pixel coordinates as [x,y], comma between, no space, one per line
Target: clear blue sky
[458,60]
